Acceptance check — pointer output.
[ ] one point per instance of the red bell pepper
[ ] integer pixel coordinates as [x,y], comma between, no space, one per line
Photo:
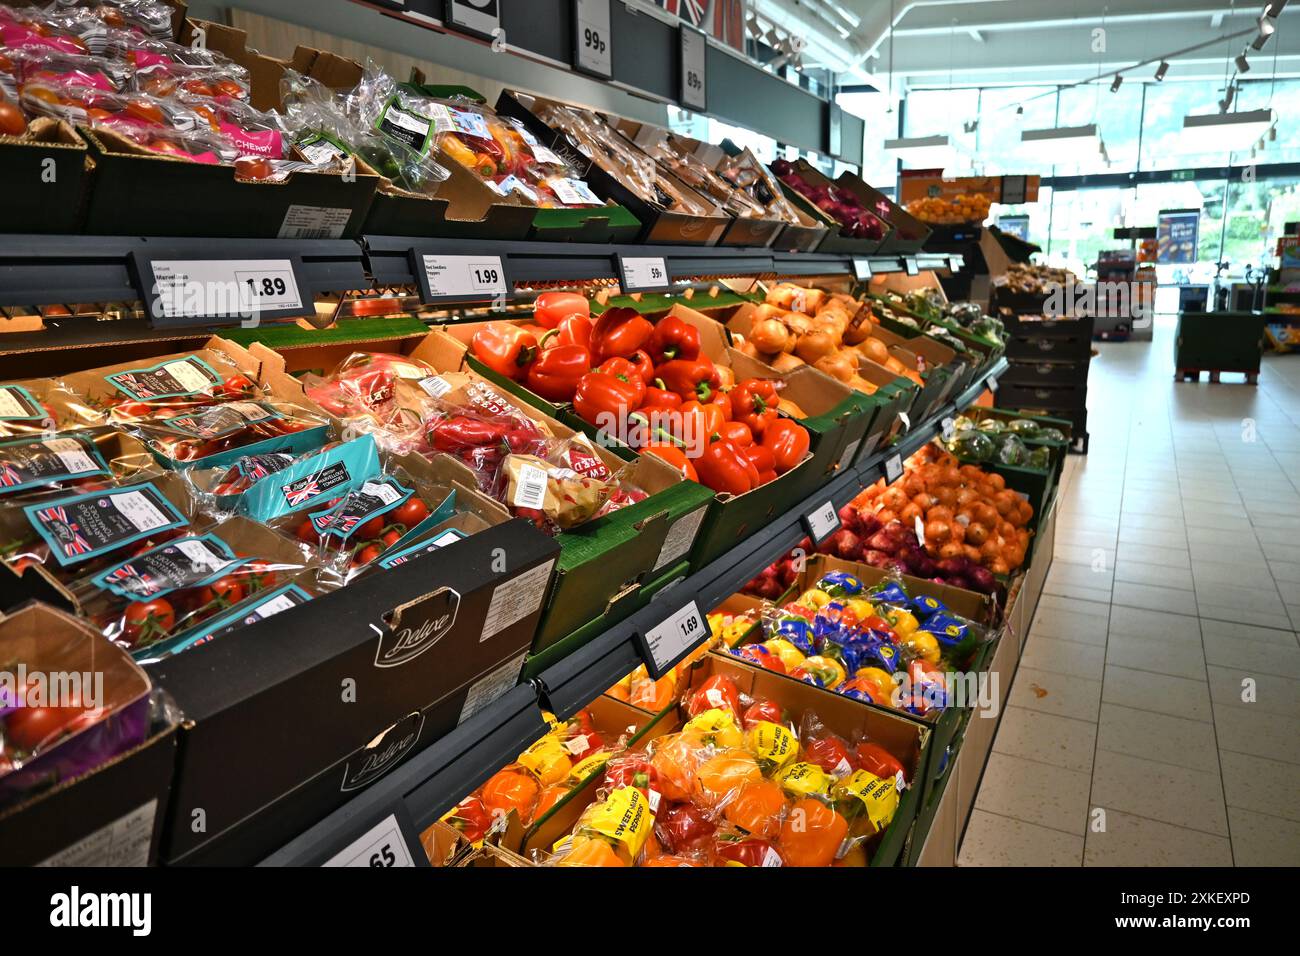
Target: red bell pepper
[555,374]
[624,370]
[674,338]
[604,400]
[619,332]
[699,424]
[787,441]
[738,434]
[723,401]
[723,468]
[460,432]
[506,349]
[875,759]
[754,402]
[552,308]
[760,458]
[674,456]
[573,330]
[690,378]
[661,399]
[642,362]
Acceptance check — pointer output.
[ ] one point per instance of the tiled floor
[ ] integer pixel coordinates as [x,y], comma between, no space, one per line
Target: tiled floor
[1155,718]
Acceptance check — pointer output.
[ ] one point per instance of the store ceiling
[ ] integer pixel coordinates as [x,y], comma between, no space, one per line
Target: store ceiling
[938,43]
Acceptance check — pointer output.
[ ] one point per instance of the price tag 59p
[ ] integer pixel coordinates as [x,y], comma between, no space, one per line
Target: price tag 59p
[823,522]
[644,274]
[669,641]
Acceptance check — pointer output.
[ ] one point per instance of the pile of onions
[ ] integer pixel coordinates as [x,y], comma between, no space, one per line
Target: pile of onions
[971,521]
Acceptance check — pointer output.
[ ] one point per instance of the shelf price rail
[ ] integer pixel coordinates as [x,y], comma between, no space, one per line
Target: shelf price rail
[396,809]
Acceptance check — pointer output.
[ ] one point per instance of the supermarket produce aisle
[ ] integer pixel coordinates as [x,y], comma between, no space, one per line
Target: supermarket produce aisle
[1131,737]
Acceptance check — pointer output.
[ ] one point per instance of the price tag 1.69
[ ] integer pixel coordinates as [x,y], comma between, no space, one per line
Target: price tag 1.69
[592,52]
[443,278]
[644,274]
[822,523]
[667,643]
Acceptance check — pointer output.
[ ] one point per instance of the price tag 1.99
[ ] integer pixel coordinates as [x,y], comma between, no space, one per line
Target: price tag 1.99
[462,278]
[893,468]
[382,846]
[667,643]
[186,292]
[822,523]
[644,274]
[592,50]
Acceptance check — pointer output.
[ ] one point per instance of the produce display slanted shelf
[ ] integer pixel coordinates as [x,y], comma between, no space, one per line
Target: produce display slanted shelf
[414,795]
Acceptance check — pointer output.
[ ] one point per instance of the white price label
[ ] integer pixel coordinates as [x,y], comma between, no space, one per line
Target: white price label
[592,43]
[862,269]
[450,276]
[906,420]
[675,636]
[850,452]
[203,288]
[947,426]
[920,530]
[992,385]
[695,93]
[893,468]
[383,845]
[644,274]
[823,522]
[480,16]
[910,265]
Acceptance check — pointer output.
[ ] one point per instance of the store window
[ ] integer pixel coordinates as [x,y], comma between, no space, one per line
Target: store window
[997,140]
[881,123]
[1118,117]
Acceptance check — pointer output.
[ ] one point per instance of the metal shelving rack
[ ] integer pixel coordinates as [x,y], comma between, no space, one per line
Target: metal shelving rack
[79,271]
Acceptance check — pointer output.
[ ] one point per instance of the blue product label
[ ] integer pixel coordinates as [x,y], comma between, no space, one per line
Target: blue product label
[19,405]
[322,477]
[84,526]
[27,462]
[174,378]
[403,555]
[374,497]
[183,563]
[842,581]
[891,593]
[923,606]
[256,608]
[947,628]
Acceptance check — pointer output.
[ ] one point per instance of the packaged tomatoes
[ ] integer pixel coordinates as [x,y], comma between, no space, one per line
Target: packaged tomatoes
[215,435]
[40,466]
[376,393]
[191,589]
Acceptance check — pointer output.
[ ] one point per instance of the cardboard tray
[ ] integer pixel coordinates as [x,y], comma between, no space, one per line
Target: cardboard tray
[908,234]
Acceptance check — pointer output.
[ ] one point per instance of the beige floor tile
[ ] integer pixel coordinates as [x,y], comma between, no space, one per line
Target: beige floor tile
[1070,620]
[1063,657]
[993,840]
[1161,693]
[1153,598]
[1035,792]
[1058,694]
[1262,785]
[1159,575]
[1277,618]
[1248,655]
[1261,840]
[1149,554]
[1271,694]
[1179,658]
[1178,795]
[1248,730]
[1155,625]
[1159,737]
[1136,841]
[1059,741]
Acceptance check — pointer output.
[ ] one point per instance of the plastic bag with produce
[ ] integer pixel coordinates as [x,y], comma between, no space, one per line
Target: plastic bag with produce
[39,466]
[376,393]
[215,435]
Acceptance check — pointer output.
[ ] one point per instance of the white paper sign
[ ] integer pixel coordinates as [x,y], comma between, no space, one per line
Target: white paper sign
[464,276]
[641,274]
[381,846]
[197,288]
[679,633]
[823,522]
[592,44]
[695,93]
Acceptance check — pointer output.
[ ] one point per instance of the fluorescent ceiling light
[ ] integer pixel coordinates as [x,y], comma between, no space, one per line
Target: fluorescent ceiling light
[1060,145]
[924,152]
[1219,132]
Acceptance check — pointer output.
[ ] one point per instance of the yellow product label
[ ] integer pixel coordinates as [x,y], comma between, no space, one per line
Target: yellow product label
[587,766]
[878,797]
[772,744]
[547,760]
[804,780]
[624,819]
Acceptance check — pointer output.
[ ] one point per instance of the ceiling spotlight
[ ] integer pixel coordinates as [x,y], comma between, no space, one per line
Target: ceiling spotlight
[772,38]
[971,126]
[1161,70]
[1272,134]
[1116,83]
[1228,96]
[1243,65]
[755,28]
[1020,111]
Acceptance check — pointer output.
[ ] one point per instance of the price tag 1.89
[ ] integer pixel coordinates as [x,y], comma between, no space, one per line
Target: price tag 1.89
[462,278]
[181,292]
[667,643]
[644,274]
[592,52]
[822,523]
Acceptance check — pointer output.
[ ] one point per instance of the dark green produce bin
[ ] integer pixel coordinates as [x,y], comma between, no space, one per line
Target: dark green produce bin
[1219,342]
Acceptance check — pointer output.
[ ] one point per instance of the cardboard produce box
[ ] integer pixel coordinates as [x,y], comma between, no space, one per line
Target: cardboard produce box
[834,241]
[603,563]
[98,797]
[51,164]
[377,670]
[659,224]
[907,233]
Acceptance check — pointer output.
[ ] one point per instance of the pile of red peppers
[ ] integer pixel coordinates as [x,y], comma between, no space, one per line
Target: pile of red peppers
[651,385]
